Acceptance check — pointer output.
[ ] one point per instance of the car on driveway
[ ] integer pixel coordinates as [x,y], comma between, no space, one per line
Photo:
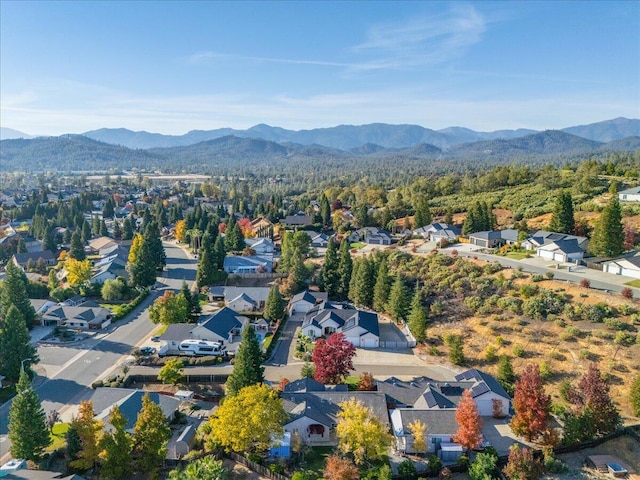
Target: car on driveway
[155,338]
[147,350]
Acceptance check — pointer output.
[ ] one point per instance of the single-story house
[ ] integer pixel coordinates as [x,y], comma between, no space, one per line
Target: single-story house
[625,266]
[436,232]
[262,246]
[130,403]
[257,295]
[360,328]
[566,250]
[297,220]
[441,426]
[544,237]
[85,317]
[261,227]
[100,243]
[319,240]
[486,391]
[494,238]
[247,265]
[371,236]
[23,259]
[629,195]
[314,415]
[109,271]
[304,301]
[242,303]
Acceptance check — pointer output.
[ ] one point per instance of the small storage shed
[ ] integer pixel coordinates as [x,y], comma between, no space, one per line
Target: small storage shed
[450,452]
[282,447]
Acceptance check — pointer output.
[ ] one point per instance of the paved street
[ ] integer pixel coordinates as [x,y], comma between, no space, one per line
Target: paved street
[70,370]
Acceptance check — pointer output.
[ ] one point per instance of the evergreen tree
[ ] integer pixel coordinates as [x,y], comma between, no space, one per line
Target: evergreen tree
[247,368]
[48,241]
[608,236]
[382,287]
[85,232]
[634,396]
[28,430]
[108,211]
[193,299]
[104,231]
[150,437]
[206,270]
[153,243]
[14,292]
[363,282]
[76,251]
[274,308]
[15,344]
[562,220]
[219,253]
[506,376]
[142,267]
[330,274]
[422,215]
[325,210]
[418,317]
[398,305]
[21,247]
[127,229]
[344,269]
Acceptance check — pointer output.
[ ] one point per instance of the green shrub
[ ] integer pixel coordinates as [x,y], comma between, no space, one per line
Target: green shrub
[546,372]
[624,338]
[490,354]
[537,277]
[407,467]
[518,350]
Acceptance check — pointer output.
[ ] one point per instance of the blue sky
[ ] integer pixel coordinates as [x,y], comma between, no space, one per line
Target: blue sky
[171,67]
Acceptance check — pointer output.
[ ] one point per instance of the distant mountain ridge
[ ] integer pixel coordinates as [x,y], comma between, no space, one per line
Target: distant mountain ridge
[10,133]
[80,153]
[346,137]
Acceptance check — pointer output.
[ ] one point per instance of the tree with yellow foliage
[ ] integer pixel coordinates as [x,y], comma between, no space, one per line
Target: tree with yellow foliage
[418,431]
[248,421]
[181,230]
[136,244]
[89,431]
[360,432]
[78,271]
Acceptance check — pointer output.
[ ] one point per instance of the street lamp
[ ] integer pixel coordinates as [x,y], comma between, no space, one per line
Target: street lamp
[25,360]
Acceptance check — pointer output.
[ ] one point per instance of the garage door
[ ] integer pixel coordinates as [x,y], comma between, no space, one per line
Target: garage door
[485,407]
[369,343]
[627,272]
[558,257]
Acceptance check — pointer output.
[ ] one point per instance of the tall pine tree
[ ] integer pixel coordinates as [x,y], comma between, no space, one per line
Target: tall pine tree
[608,236]
[330,273]
[418,317]
[274,308]
[28,430]
[382,287]
[344,269]
[562,220]
[247,368]
[15,344]
[76,251]
[14,292]
[398,305]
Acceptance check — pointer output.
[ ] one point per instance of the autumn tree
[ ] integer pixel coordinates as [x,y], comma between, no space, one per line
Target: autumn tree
[247,367]
[115,448]
[418,318]
[562,219]
[330,269]
[274,308]
[333,359]
[172,371]
[89,430]
[418,431]
[469,433]
[338,468]
[532,405]
[15,345]
[27,426]
[14,292]
[522,465]
[249,421]
[151,434]
[170,308]
[78,272]
[592,400]
[360,432]
[366,383]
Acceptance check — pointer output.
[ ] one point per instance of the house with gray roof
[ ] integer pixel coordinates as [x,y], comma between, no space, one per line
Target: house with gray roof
[252,264]
[262,246]
[627,266]
[304,301]
[359,327]
[436,232]
[566,250]
[441,426]
[297,220]
[629,195]
[494,238]
[544,237]
[82,316]
[314,415]
[23,259]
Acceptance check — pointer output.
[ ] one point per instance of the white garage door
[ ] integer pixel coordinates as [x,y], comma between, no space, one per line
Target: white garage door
[627,272]
[558,257]
[485,407]
[369,343]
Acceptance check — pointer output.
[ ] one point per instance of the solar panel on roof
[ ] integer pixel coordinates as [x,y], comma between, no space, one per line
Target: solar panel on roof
[479,389]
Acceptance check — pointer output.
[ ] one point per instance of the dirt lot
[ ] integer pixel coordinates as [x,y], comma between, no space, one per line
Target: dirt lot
[238,471]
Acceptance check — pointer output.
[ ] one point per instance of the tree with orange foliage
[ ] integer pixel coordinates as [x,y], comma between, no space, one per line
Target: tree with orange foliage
[246,227]
[338,468]
[532,405]
[283,383]
[181,229]
[469,433]
[366,383]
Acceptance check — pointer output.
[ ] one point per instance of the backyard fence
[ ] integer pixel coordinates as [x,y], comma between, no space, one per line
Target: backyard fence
[256,467]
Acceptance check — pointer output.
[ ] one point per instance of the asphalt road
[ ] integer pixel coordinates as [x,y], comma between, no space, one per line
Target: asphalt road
[77,367]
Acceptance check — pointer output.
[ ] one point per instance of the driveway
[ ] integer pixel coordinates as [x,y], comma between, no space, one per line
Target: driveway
[499,434]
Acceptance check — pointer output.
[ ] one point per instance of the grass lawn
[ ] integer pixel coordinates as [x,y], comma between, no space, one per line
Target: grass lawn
[315,459]
[357,245]
[634,283]
[58,436]
[518,255]
[352,382]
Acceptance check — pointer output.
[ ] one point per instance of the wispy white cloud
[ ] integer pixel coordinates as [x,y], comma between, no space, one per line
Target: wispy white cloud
[424,40]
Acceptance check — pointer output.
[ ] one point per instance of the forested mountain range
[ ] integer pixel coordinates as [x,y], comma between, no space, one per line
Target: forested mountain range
[232,154]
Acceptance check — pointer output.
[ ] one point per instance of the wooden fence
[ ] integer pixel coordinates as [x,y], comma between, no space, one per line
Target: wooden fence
[256,467]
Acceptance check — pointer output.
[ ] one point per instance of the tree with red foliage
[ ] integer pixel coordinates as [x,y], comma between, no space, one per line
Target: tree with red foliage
[592,395]
[469,433]
[522,465]
[333,359]
[532,405]
[246,227]
[338,468]
[629,237]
